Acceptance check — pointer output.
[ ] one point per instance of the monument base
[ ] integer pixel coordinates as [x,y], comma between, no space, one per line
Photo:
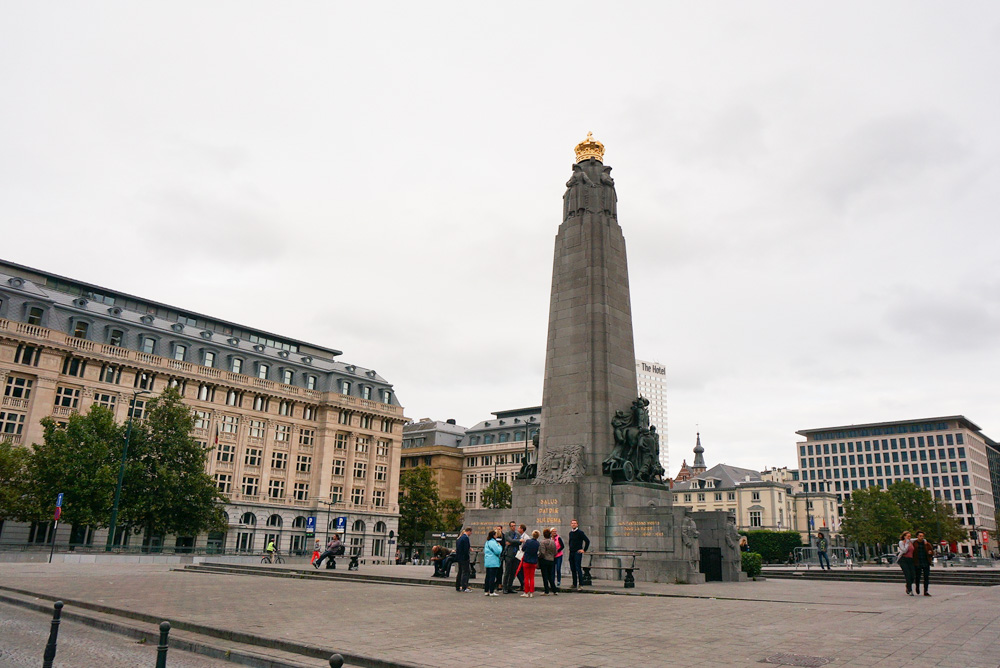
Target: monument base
[620,519]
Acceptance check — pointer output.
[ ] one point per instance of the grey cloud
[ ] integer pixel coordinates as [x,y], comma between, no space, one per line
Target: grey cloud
[889,152]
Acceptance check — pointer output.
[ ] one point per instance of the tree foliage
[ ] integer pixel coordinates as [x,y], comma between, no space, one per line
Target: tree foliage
[750,562]
[452,512]
[922,512]
[167,490]
[497,494]
[773,546]
[15,461]
[872,516]
[81,461]
[418,505]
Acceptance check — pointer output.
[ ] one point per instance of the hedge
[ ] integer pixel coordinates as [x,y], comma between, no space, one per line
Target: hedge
[750,563]
[773,546]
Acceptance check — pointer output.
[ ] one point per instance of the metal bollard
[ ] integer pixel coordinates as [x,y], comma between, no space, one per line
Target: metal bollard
[336,661]
[50,647]
[161,649]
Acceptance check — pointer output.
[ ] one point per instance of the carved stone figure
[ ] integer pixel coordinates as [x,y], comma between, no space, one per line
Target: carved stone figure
[560,464]
[609,198]
[689,544]
[529,465]
[733,538]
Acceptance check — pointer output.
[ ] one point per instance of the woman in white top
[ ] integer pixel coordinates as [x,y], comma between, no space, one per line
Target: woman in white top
[904,557]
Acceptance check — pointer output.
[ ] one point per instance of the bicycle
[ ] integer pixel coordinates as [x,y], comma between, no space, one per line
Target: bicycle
[276,559]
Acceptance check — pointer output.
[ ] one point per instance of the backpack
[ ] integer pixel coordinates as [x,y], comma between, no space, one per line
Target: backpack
[339,550]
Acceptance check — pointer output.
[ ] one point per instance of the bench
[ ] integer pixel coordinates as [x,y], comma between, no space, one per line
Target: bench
[626,562]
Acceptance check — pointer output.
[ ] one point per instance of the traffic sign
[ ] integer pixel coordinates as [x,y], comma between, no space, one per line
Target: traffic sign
[310,526]
[59,500]
[986,536]
[340,524]
[58,513]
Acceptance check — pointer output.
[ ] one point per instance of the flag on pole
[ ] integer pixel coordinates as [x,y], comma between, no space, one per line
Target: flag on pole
[216,433]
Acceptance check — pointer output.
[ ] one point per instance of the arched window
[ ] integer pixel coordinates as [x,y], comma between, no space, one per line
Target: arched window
[274,521]
[249,519]
[358,525]
[299,522]
[380,527]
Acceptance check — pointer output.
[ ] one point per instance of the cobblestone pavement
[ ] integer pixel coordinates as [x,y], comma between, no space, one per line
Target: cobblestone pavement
[853,624]
[24,633]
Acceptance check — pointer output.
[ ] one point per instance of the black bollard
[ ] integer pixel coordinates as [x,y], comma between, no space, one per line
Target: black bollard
[161,649]
[50,647]
[336,661]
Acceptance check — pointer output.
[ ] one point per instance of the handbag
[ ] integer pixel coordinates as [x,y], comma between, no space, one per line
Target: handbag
[520,555]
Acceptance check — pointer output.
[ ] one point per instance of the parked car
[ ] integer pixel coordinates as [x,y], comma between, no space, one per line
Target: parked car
[888,558]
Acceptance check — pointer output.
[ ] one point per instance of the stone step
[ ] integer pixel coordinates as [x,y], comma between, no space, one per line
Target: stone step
[938,576]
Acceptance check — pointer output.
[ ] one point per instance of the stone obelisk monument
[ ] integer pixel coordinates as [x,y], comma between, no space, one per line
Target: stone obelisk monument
[598,457]
[590,354]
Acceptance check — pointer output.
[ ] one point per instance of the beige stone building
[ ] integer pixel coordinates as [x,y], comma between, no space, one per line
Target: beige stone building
[495,449]
[294,433]
[436,445]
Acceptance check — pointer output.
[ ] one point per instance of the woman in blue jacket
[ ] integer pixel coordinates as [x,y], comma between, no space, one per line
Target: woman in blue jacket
[491,559]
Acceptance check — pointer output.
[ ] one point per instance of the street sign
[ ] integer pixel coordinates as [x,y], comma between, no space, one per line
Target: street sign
[59,500]
[310,526]
[58,513]
[340,524]
[986,536]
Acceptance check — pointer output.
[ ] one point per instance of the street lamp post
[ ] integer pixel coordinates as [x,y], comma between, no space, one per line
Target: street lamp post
[328,505]
[121,472]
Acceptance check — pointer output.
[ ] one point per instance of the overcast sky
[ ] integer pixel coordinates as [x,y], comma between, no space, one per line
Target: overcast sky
[808,191]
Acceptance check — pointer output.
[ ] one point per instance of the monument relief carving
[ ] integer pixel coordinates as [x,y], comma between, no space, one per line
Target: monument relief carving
[560,464]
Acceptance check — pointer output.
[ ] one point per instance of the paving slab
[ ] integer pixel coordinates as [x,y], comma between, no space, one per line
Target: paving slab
[721,624]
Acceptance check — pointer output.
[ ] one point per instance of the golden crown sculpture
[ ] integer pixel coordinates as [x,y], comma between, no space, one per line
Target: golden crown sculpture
[589,148]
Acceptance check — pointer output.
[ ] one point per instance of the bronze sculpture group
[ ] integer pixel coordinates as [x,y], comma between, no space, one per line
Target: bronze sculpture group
[636,455]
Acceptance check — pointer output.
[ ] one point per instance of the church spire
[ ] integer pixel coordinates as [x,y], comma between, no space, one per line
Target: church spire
[699,457]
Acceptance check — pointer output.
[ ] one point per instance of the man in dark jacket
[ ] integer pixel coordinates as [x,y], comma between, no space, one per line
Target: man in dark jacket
[578,544]
[512,543]
[923,556]
[463,552]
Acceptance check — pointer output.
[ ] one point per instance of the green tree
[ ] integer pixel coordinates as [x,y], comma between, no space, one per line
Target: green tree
[922,512]
[496,494]
[872,516]
[166,489]
[80,460]
[452,512]
[418,505]
[15,462]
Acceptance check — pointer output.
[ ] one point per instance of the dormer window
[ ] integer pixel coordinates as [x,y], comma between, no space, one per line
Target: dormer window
[116,338]
[310,382]
[262,370]
[286,376]
[366,392]
[81,329]
[179,351]
[35,315]
[236,366]
[208,359]
[345,386]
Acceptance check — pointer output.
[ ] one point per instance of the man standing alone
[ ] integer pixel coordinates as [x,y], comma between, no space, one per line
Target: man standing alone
[463,550]
[578,544]
[821,547]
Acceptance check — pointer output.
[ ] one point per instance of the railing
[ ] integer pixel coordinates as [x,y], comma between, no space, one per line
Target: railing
[14,402]
[15,439]
[62,411]
[80,344]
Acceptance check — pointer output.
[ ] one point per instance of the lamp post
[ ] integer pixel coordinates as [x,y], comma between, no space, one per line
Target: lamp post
[121,472]
[328,505]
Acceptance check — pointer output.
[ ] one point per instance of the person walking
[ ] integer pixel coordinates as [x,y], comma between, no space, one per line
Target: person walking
[904,557]
[528,564]
[560,547]
[547,561]
[316,551]
[333,549]
[463,550]
[578,544]
[512,544]
[821,545]
[923,557]
[492,552]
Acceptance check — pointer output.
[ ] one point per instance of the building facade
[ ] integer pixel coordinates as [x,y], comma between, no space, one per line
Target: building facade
[771,500]
[495,449]
[293,432]
[950,456]
[652,380]
[437,445]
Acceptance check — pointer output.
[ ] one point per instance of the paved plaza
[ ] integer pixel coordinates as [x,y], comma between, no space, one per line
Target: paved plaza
[715,624]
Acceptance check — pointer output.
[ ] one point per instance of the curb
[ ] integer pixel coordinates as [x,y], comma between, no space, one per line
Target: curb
[244,638]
